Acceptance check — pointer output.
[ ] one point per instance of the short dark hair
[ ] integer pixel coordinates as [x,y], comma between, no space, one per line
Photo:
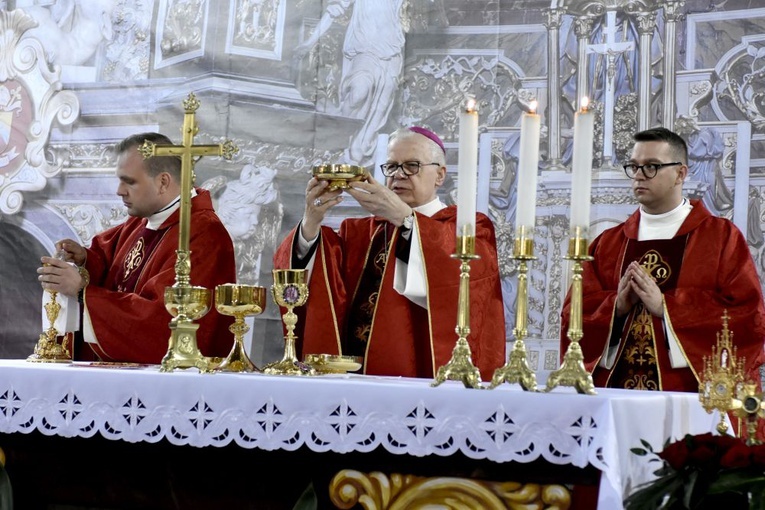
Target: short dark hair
[660,134]
[155,165]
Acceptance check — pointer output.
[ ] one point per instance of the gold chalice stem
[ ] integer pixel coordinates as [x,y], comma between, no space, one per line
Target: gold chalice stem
[237,360]
[289,364]
[290,320]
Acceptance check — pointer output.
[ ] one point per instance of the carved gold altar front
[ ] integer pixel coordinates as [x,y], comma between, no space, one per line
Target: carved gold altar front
[395,491]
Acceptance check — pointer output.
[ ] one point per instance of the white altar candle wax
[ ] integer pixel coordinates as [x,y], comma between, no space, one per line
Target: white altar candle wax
[467,169]
[581,167]
[528,163]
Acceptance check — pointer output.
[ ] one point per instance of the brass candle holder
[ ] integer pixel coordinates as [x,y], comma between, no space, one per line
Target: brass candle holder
[185,302]
[239,301]
[289,290]
[517,369]
[460,367]
[572,371]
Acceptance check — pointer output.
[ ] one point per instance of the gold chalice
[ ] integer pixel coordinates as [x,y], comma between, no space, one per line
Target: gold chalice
[289,290]
[339,176]
[239,301]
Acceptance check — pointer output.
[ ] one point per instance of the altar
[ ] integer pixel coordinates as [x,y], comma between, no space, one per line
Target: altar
[341,416]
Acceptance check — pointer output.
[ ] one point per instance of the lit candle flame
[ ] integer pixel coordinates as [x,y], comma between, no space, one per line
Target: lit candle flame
[584,102]
[470,105]
[533,106]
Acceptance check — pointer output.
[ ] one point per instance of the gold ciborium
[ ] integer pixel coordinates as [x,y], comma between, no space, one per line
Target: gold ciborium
[289,290]
[186,304]
[48,348]
[239,301]
[339,176]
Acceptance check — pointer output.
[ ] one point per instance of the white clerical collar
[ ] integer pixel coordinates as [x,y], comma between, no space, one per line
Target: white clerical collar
[667,215]
[158,218]
[664,225]
[431,207]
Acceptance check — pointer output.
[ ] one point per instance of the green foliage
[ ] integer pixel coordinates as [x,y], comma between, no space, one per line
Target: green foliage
[703,472]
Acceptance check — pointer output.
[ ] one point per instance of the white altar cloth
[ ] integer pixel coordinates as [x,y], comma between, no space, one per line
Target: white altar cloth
[351,413]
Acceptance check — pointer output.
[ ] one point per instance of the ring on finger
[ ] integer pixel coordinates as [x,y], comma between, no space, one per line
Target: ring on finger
[317,202]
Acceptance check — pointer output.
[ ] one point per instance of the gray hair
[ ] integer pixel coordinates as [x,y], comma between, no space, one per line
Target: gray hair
[436,153]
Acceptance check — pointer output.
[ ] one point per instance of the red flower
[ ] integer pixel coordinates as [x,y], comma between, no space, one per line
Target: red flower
[758,455]
[739,455]
[676,454]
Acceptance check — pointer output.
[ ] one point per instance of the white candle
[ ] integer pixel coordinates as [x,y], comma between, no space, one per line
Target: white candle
[467,169]
[581,167]
[528,163]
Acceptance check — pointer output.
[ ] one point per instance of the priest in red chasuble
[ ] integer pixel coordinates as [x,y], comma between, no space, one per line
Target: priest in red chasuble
[385,286]
[122,277]
[656,291]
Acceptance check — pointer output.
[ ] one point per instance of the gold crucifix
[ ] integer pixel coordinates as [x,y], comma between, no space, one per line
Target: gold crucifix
[184,302]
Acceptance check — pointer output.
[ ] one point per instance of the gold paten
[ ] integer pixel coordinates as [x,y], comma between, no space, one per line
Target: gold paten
[239,301]
[289,290]
[48,348]
[724,388]
[381,491]
[517,369]
[572,371]
[460,367]
[185,302]
[334,363]
[339,176]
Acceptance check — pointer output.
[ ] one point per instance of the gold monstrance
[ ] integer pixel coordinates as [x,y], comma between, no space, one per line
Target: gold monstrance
[517,369]
[724,388]
[460,367]
[572,371]
[185,302]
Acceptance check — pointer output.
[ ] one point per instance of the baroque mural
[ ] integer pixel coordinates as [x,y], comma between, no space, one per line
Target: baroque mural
[295,83]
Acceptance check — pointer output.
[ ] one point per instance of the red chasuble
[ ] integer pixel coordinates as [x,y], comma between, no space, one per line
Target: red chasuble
[404,339]
[717,273]
[132,326]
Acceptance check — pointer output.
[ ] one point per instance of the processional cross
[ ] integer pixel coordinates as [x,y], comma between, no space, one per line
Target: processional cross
[184,301]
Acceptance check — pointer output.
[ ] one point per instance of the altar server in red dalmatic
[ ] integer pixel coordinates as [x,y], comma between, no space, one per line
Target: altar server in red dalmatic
[385,286]
[129,266]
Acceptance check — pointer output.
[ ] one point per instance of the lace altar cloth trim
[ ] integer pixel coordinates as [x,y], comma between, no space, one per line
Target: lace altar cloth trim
[350,414]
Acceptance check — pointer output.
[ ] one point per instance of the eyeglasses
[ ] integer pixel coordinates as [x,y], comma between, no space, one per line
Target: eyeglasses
[408,167]
[649,169]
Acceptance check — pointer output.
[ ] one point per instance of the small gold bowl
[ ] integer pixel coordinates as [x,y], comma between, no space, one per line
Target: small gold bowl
[339,176]
[334,364]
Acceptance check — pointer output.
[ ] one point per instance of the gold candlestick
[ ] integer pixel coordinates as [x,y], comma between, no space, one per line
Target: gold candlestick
[517,369]
[185,302]
[460,367]
[289,290]
[572,371]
